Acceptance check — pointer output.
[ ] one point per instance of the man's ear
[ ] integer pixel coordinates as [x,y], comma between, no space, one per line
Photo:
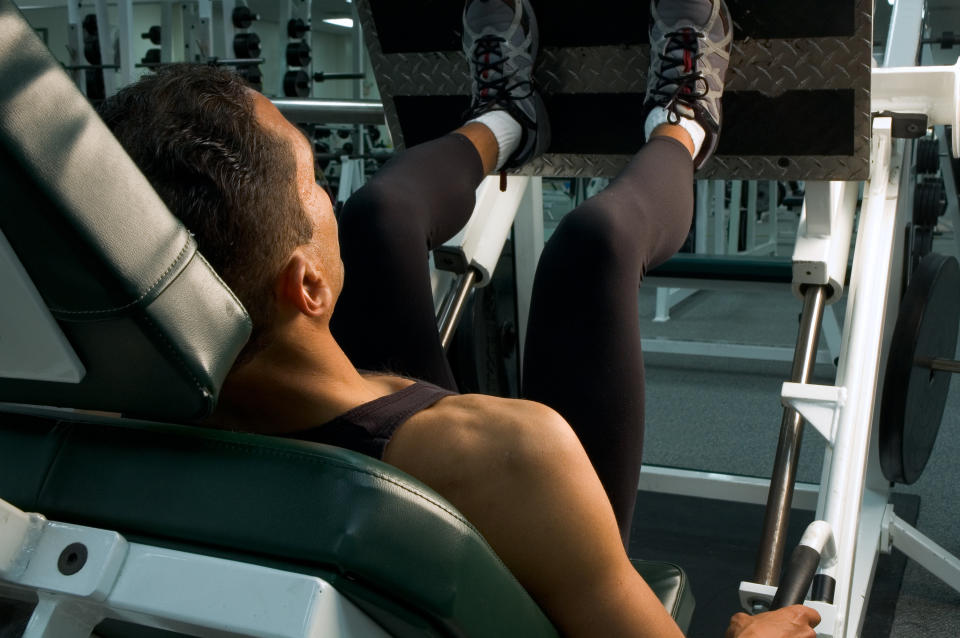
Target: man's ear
[303,284]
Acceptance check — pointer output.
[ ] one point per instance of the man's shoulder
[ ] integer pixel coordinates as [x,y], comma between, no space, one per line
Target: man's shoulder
[482,408]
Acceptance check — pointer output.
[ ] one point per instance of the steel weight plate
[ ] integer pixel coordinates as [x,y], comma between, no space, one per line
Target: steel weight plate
[914,395]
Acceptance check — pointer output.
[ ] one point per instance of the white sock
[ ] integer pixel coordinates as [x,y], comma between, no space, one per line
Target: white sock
[507,131]
[659,116]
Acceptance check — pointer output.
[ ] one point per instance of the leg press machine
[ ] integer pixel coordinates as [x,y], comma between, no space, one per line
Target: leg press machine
[881,416]
[143,523]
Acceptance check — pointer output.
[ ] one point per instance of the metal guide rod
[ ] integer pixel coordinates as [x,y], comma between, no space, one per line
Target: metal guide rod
[228,62]
[944,365]
[336,156]
[315,111]
[321,76]
[153,65]
[780,496]
[453,308]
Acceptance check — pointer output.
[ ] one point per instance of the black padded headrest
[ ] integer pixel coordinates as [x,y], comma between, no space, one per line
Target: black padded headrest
[153,325]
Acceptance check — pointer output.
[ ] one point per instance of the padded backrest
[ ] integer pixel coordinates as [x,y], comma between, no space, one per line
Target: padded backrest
[152,324]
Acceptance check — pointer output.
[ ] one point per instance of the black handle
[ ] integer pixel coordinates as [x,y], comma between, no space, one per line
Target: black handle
[797,577]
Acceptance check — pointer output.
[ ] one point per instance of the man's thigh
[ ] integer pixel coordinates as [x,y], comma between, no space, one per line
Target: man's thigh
[385,318]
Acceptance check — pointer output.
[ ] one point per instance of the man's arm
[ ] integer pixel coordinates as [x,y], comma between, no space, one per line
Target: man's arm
[790,622]
[518,472]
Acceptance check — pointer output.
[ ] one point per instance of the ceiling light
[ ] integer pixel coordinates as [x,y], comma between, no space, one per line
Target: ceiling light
[346,23]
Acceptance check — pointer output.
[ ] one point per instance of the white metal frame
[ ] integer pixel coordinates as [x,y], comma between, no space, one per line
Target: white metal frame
[75,43]
[196,30]
[719,486]
[844,414]
[105,41]
[160,588]
[728,350]
[480,242]
[126,74]
[203,31]
[166,33]
[227,30]
[853,495]
[854,492]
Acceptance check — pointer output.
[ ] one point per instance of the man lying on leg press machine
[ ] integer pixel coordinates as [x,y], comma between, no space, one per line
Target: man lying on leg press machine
[243,180]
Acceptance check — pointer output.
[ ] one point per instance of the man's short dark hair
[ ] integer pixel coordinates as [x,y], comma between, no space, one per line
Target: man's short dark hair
[192,131]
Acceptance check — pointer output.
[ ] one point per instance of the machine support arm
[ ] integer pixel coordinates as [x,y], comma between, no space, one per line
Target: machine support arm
[933,91]
[780,496]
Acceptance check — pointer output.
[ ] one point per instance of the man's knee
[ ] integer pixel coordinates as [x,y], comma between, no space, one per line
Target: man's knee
[374,213]
[594,233]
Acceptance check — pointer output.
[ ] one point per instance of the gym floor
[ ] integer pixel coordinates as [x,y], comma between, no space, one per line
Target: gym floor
[731,410]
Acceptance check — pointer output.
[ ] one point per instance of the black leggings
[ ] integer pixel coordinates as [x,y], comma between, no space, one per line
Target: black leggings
[582,354]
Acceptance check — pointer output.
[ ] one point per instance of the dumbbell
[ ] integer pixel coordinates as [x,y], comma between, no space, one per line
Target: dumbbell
[296,28]
[91,43]
[296,84]
[90,24]
[321,148]
[153,34]
[253,76]
[152,57]
[246,45]
[298,54]
[91,51]
[243,17]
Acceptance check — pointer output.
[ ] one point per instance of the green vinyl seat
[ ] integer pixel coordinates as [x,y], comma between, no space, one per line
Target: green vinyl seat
[156,331]
[393,546]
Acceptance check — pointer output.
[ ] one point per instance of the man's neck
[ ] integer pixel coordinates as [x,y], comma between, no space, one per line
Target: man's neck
[296,382]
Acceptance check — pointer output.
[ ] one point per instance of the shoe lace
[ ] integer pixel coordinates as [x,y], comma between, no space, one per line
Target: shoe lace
[493,85]
[683,88]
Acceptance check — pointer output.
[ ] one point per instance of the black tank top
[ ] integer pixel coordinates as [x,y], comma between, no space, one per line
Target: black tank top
[368,428]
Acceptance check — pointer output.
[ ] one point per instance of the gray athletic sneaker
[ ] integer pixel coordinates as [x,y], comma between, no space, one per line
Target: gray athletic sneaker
[689,53]
[500,40]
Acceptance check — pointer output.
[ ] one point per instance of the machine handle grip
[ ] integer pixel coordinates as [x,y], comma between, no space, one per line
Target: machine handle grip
[797,577]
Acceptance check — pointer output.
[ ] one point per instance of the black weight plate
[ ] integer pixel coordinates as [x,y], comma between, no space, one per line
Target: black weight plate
[297,28]
[929,202]
[243,17]
[152,57]
[296,84]
[914,396]
[246,45]
[928,156]
[298,54]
